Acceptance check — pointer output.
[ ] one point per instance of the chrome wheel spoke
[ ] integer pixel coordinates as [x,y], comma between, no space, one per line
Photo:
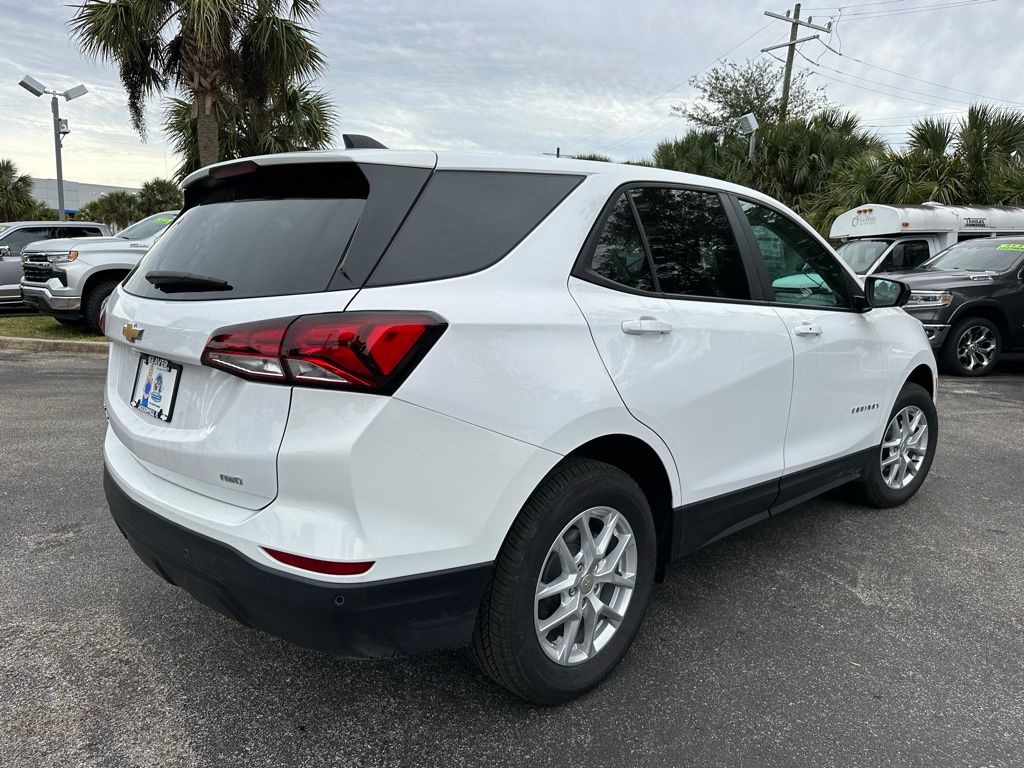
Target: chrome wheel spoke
[904,447]
[585,586]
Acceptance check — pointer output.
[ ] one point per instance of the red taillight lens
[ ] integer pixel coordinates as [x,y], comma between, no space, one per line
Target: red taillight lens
[329,567]
[363,351]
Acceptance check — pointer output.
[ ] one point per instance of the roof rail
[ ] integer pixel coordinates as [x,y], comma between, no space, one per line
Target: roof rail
[358,141]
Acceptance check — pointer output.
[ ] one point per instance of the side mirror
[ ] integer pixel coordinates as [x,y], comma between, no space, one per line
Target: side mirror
[883,292]
[5,251]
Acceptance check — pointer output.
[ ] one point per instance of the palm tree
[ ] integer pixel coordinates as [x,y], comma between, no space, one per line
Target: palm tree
[159,195]
[119,209]
[204,48]
[296,118]
[16,201]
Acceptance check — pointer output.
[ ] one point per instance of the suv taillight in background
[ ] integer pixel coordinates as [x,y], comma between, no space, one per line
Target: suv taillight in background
[357,351]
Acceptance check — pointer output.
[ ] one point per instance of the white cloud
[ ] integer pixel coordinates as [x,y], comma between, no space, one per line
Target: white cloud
[521,77]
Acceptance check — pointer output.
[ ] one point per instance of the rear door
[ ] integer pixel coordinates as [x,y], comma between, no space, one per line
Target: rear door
[267,243]
[839,375]
[665,292]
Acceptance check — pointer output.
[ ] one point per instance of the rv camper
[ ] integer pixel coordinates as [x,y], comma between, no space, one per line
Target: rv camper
[886,238]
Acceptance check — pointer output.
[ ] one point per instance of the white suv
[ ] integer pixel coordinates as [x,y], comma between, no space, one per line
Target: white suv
[381,402]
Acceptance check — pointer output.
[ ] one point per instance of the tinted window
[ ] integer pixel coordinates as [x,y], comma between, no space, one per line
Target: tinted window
[76,231]
[468,220]
[19,238]
[258,247]
[906,254]
[799,268]
[692,245]
[619,255]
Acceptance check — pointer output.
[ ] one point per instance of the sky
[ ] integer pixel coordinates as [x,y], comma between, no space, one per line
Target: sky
[525,77]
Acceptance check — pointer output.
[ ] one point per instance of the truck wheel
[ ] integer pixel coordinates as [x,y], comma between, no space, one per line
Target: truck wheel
[570,585]
[71,322]
[92,302]
[972,347]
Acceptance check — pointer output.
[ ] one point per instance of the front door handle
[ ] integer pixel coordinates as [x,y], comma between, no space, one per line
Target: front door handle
[646,325]
[807,329]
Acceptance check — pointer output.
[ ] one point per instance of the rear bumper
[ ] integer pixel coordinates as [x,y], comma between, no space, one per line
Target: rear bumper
[396,616]
[45,300]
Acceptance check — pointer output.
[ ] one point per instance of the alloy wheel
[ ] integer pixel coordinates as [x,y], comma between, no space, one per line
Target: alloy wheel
[904,447]
[976,348]
[585,586]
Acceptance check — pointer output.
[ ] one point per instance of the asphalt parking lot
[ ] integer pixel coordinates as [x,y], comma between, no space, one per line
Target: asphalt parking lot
[831,636]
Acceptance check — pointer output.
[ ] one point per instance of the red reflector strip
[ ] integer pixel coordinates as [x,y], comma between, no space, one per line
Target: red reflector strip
[329,567]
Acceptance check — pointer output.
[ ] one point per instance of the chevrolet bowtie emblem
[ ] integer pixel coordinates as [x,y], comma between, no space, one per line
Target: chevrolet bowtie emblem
[132,332]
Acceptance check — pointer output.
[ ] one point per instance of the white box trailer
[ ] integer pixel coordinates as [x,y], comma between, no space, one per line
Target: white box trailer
[887,238]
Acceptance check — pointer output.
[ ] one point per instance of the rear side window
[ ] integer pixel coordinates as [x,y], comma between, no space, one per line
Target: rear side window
[619,254]
[466,221]
[692,244]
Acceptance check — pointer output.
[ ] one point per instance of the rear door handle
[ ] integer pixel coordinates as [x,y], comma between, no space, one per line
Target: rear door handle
[807,329]
[646,325]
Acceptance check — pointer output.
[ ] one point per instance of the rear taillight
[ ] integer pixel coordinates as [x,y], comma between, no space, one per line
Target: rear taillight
[362,351]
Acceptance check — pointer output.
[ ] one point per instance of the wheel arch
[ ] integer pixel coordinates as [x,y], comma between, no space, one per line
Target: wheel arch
[924,377]
[642,462]
[989,310]
[101,275]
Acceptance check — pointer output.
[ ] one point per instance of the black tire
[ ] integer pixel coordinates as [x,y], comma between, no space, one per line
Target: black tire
[949,358]
[92,302]
[505,643]
[69,321]
[874,490]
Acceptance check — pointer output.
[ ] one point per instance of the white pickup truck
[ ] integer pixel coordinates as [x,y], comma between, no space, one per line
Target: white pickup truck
[70,278]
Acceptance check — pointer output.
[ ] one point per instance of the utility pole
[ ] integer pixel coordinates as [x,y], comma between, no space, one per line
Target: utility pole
[795,24]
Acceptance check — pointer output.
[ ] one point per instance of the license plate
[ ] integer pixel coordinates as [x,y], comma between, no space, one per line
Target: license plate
[156,384]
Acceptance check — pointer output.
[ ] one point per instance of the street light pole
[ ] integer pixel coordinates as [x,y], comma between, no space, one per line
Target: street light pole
[55,106]
[60,128]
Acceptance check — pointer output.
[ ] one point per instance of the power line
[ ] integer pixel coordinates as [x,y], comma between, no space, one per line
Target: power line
[885,13]
[647,130]
[674,88]
[918,79]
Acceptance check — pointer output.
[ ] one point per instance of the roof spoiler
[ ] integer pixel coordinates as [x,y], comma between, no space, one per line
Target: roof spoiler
[358,141]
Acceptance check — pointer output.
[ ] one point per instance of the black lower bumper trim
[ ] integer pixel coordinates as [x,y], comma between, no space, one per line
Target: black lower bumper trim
[383,618]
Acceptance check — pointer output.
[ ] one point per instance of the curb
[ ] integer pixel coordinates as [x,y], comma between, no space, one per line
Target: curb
[54,345]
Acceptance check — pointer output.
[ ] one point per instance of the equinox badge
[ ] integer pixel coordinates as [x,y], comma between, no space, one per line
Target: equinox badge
[132,332]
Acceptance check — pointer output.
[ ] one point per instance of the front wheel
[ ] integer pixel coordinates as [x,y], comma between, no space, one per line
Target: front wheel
[972,347]
[907,450]
[570,585]
[92,303]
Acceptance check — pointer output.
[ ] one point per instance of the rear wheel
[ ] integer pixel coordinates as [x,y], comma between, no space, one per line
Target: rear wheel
[907,450]
[93,300]
[570,585]
[972,347]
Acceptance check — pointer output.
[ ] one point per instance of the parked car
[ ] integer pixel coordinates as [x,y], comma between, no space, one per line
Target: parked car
[970,299]
[380,402]
[15,235]
[887,238]
[71,278]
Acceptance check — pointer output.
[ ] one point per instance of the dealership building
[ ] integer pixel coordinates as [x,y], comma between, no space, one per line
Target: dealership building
[76,194]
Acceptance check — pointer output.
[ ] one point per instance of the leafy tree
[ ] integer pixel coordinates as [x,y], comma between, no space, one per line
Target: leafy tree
[296,118]
[118,209]
[731,90]
[16,201]
[224,55]
[40,211]
[159,195]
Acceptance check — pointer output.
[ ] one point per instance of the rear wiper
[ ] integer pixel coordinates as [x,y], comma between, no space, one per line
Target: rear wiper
[180,282]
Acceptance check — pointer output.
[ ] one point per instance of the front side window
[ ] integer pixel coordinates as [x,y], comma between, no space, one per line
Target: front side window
[619,255]
[692,244]
[19,238]
[799,268]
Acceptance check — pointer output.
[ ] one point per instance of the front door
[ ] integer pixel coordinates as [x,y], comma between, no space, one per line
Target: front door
[839,375]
